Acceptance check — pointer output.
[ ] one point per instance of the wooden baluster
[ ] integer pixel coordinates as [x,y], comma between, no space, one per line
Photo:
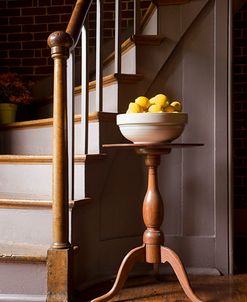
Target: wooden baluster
[99,51]
[137,16]
[70,102]
[118,36]
[59,255]
[84,89]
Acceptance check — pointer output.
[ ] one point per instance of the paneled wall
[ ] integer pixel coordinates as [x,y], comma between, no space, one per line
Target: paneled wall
[195,182]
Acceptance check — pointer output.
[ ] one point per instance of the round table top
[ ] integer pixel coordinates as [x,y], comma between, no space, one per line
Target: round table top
[153,146]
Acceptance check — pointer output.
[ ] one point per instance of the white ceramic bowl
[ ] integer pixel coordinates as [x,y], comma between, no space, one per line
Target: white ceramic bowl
[151,128]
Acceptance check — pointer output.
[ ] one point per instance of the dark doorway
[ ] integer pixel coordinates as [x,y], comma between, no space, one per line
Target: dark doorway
[240,137]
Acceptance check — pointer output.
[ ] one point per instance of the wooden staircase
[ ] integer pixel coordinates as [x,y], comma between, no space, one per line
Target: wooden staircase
[26,164]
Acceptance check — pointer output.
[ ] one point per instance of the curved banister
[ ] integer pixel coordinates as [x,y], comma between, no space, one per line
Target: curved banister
[62,44]
[77,19]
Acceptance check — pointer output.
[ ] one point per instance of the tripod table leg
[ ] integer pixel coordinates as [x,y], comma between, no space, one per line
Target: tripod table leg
[168,255]
[136,255]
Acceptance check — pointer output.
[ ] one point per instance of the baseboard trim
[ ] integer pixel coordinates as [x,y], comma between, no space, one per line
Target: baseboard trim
[22,298]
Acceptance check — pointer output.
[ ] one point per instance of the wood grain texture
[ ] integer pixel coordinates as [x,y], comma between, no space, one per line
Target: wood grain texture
[143,289]
[44,159]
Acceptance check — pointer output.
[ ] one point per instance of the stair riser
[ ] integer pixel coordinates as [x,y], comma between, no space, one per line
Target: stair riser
[32,226]
[23,278]
[128,62]
[27,225]
[110,104]
[35,179]
[24,140]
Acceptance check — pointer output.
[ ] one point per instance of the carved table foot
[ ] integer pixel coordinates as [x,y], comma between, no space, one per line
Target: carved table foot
[136,255]
[168,255]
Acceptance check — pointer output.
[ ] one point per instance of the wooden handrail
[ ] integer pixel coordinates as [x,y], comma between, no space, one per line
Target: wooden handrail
[77,19]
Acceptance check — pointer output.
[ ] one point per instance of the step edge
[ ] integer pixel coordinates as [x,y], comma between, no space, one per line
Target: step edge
[45,159]
[22,298]
[92,117]
[131,42]
[22,252]
[112,79]
[11,203]
[22,259]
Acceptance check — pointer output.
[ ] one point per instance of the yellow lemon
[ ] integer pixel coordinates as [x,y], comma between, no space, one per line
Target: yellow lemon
[170,109]
[152,101]
[177,105]
[143,102]
[155,108]
[134,108]
[162,100]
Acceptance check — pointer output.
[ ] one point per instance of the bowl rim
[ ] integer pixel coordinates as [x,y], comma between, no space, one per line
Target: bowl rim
[153,118]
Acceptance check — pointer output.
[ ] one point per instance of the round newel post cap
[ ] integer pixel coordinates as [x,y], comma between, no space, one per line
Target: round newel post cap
[60,39]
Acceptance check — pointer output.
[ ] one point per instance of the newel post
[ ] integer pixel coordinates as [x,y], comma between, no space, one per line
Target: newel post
[59,256]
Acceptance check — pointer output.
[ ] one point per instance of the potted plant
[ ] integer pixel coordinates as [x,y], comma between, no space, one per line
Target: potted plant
[13,91]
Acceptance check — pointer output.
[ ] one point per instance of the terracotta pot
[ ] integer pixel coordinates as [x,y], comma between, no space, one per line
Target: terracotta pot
[7,113]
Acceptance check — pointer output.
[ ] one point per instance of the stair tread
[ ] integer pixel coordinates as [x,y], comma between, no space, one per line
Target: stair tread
[9,200]
[16,251]
[43,158]
[132,41]
[112,79]
[92,117]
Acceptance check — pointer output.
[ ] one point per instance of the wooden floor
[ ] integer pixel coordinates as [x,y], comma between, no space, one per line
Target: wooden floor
[208,288]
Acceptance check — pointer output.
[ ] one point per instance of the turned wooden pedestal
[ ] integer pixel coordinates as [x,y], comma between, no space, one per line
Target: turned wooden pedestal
[152,250]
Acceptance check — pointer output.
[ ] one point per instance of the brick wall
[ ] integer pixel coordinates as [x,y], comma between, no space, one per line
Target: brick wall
[240,107]
[26,24]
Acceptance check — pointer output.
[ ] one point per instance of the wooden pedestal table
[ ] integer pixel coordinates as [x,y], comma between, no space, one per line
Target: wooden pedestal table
[152,251]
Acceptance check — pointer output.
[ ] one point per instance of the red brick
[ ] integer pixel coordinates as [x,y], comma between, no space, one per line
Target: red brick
[38,53]
[3,4]
[10,45]
[109,24]
[3,38]
[108,16]
[34,62]
[34,11]
[21,70]
[20,37]
[34,44]
[65,18]
[3,54]
[56,27]
[10,28]
[59,2]
[44,2]
[59,10]
[20,3]
[21,53]
[43,70]
[41,36]
[46,19]
[46,52]
[10,12]
[10,62]
[4,21]
[21,20]
[34,28]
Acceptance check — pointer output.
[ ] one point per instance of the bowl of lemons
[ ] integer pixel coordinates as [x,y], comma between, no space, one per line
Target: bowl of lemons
[152,121]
